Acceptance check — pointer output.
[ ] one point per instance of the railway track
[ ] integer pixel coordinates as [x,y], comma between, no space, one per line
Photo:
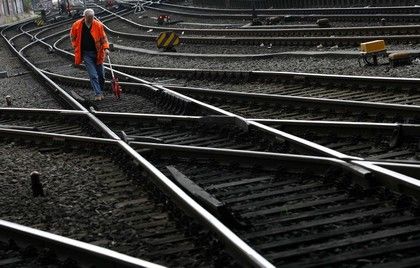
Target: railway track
[202,131]
[294,216]
[258,105]
[64,122]
[392,94]
[265,106]
[379,96]
[282,41]
[374,142]
[409,97]
[101,202]
[341,36]
[28,91]
[210,127]
[21,246]
[350,144]
[294,32]
[274,11]
[164,188]
[306,4]
[291,216]
[139,98]
[297,15]
[286,83]
[289,107]
[371,141]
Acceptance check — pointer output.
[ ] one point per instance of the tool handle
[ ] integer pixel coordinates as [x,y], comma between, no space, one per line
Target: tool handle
[110,66]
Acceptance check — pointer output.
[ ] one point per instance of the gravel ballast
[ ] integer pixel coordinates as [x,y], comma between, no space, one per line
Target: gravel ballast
[90,198]
[23,88]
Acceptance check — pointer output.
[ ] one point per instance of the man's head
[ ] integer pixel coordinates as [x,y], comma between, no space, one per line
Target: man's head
[89,14]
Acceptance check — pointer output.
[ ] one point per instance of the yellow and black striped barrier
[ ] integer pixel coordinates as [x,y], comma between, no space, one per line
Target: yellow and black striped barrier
[167,40]
[39,22]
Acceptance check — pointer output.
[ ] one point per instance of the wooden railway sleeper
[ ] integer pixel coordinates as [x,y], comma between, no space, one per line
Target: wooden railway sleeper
[396,137]
[208,201]
[176,105]
[179,106]
[166,102]
[160,96]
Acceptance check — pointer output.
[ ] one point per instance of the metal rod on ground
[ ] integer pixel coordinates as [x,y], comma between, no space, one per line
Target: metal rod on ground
[8,100]
[36,185]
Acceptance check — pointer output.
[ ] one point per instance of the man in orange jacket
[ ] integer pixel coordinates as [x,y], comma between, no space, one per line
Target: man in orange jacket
[90,45]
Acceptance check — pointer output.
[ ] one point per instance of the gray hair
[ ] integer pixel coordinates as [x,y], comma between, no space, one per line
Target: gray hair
[88,11]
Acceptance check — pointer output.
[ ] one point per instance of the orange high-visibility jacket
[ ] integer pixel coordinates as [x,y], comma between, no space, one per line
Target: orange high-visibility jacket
[98,33]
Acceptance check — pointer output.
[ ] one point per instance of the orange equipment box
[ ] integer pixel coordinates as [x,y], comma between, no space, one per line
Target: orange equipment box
[373,46]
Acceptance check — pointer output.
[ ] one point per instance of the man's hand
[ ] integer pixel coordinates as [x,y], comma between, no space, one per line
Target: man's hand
[106,52]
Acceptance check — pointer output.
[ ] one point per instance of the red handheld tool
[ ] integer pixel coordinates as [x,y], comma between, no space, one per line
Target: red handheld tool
[116,88]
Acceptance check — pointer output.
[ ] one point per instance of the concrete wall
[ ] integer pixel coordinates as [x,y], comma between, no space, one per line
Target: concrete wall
[10,9]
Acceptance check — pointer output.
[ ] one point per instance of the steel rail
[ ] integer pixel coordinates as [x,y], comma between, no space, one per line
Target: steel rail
[308,78]
[407,130]
[404,130]
[141,117]
[394,174]
[391,9]
[341,17]
[58,91]
[393,180]
[85,254]
[301,144]
[244,254]
[395,131]
[406,168]
[273,98]
[54,137]
[22,33]
[41,111]
[411,130]
[242,122]
[130,148]
[303,41]
[232,155]
[327,124]
[396,181]
[55,87]
[292,137]
[280,32]
[282,133]
[271,39]
[220,187]
[379,31]
[40,29]
[35,39]
[247,255]
[50,120]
